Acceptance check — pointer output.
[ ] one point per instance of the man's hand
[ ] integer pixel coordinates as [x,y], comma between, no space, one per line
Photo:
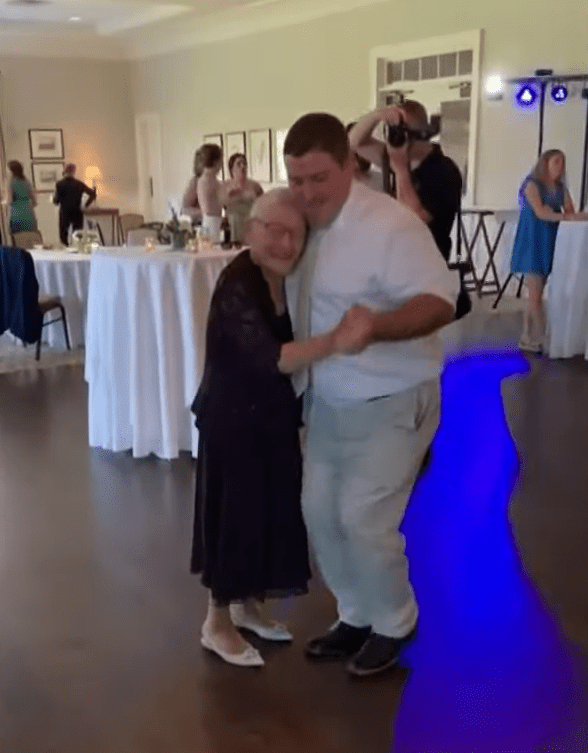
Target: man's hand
[355,331]
[399,157]
[392,115]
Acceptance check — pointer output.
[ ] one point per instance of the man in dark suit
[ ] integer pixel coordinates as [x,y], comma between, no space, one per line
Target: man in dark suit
[68,195]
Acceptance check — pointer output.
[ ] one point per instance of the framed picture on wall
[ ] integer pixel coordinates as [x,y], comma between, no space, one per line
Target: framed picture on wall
[235,144]
[260,155]
[46,175]
[46,143]
[216,138]
[281,174]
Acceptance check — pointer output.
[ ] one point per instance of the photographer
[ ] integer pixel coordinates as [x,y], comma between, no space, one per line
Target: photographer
[423,178]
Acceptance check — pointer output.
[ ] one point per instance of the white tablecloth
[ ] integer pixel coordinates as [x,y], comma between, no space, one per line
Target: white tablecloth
[567,300]
[145,347]
[67,275]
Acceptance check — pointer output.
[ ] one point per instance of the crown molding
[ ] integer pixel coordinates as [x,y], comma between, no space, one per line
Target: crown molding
[161,35]
[256,17]
[60,44]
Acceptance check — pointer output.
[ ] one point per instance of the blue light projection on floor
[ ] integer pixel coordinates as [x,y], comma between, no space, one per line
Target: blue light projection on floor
[490,671]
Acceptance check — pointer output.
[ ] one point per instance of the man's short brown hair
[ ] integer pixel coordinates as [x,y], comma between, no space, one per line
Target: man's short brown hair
[416,111]
[318,132]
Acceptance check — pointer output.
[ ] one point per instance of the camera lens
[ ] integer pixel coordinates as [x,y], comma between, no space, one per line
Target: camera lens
[397,135]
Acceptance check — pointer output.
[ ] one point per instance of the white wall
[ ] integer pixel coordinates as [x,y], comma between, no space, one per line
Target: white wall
[91,100]
[268,79]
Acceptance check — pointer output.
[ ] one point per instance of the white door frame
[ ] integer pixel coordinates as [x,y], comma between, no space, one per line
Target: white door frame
[150,175]
[466,40]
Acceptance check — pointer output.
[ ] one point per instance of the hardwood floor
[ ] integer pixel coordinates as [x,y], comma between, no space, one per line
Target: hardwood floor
[100,619]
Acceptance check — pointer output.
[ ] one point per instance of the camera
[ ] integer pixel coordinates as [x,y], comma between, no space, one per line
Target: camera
[397,134]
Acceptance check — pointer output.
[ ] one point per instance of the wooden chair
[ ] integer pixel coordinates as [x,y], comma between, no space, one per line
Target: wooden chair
[129,222]
[27,239]
[138,236]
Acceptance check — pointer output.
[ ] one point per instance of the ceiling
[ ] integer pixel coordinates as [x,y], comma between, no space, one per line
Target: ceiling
[99,16]
[106,16]
[138,28]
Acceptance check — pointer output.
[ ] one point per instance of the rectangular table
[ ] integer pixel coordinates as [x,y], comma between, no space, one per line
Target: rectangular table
[145,347]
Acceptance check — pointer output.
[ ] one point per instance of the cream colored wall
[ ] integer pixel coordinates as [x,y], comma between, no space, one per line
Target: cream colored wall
[268,79]
[91,100]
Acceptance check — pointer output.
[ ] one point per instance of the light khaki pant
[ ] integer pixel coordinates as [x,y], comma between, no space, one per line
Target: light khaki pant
[361,463]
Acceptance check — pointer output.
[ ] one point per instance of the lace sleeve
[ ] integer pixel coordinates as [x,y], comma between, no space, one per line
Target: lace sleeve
[239,323]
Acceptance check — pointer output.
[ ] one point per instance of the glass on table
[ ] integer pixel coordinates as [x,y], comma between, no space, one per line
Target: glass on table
[204,241]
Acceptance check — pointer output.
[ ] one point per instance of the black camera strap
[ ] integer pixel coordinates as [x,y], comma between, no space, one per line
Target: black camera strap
[388,178]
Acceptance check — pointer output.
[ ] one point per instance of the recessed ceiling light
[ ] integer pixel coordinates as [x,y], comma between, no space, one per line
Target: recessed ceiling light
[75,18]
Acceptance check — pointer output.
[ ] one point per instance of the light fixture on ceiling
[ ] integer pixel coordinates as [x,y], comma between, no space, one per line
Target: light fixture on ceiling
[75,18]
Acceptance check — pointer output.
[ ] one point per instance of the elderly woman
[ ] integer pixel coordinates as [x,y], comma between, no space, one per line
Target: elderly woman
[249,537]
[239,194]
[208,163]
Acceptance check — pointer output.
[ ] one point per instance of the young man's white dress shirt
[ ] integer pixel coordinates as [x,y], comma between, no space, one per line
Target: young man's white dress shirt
[372,415]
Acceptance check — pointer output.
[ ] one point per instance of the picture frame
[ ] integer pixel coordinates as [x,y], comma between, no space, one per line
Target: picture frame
[281,173]
[260,155]
[236,142]
[216,138]
[46,143]
[46,174]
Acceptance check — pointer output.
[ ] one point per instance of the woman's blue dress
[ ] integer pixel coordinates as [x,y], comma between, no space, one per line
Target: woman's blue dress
[535,239]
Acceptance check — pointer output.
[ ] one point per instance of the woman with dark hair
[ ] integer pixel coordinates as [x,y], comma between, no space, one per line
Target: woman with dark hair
[207,164]
[21,198]
[239,194]
[544,201]
[190,204]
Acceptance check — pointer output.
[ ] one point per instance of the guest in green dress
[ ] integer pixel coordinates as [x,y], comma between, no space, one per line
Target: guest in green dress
[239,194]
[21,199]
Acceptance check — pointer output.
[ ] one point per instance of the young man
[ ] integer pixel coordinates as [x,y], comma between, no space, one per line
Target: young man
[68,194]
[423,178]
[372,414]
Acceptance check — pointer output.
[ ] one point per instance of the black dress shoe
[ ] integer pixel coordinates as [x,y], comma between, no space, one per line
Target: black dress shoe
[377,654]
[342,642]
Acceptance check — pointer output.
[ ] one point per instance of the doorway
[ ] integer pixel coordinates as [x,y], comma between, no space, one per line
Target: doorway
[149,166]
[443,74]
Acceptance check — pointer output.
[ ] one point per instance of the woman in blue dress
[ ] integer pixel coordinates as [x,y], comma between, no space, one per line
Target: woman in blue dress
[21,199]
[544,201]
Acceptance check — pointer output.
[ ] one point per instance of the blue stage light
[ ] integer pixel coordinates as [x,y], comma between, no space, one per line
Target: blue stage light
[526,96]
[559,93]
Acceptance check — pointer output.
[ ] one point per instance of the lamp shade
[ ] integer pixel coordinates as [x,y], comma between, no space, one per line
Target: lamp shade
[93,173]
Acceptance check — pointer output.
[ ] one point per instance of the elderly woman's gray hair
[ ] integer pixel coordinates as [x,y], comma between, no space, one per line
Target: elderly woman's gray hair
[275,196]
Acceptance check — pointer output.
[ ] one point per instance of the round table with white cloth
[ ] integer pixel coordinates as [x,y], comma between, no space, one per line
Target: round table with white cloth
[567,299]
[67,275]
[145,347]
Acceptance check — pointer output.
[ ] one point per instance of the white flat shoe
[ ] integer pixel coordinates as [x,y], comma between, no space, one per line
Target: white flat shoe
[273,632]
[250,657]
[530,347]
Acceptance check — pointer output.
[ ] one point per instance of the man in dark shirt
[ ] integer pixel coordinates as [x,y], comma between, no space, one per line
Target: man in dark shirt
[68,194]
[423,178]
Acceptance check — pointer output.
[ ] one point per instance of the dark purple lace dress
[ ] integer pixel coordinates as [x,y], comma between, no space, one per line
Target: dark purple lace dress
[249,536]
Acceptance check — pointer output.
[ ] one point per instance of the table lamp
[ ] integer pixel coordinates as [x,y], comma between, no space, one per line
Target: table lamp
[93,174]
